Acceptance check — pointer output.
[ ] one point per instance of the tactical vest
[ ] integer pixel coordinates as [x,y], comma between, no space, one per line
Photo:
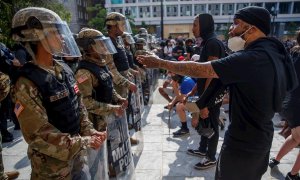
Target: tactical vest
[59,97]
[130,58]
[120,58]
[103,92]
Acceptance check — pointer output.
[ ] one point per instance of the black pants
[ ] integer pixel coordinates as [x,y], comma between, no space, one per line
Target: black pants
[236,164]
[209,146]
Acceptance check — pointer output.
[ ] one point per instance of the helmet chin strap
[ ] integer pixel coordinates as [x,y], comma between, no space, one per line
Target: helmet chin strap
[29,50]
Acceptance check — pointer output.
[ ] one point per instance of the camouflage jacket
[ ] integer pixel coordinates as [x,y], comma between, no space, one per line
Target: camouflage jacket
[118,79]
[4,85]
[86,83]
[40,135]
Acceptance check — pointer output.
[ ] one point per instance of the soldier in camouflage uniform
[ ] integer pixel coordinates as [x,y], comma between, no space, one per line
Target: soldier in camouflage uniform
[4,91]
[95,81]
[52,117]
[117,24]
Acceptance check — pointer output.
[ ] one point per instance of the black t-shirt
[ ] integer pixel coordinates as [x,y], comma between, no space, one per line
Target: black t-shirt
[250,77]
[291,103]
[212,47]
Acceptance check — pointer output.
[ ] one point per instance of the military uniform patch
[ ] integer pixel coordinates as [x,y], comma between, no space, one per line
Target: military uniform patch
[18,108]
[82,78]
[76,89]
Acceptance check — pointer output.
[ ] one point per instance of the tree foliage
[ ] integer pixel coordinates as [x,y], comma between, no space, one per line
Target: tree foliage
[98,21]
[9,7]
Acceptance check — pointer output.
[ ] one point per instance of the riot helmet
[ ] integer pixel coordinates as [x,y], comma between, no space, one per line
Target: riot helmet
[128,38]
[34,24]
[118,19]
[91,38]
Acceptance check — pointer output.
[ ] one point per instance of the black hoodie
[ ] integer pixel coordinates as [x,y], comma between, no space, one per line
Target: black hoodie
[258,79]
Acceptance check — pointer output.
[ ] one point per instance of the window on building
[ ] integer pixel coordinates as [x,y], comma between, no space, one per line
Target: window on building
[199,9]
[156,11]
[130,1]
[186,10]
[214,9]
[144,12]
[116,1]
[171,10]
[271,7]
[241,5]
[296,9]
[227,9]
[257,4]
[285,7]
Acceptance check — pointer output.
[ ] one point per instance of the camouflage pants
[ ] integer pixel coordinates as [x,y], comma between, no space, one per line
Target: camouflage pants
[47,168]
[3,176]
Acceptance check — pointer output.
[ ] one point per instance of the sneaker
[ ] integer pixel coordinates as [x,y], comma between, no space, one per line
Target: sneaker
[205,164]
[273,162]
[289,176]
[181,132]
[196,152]
[12,175]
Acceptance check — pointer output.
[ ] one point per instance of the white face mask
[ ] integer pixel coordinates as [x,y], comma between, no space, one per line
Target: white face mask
[237,43]
[198,41]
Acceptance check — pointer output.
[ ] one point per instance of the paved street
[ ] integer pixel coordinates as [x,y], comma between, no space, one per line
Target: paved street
[158,155]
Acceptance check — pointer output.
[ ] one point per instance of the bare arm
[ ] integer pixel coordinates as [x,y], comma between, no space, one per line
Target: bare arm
[207,82]
[187,68]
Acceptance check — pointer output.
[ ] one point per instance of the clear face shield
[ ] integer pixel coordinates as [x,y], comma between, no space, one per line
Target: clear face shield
[104,46]
[58,40]
[124,26]
[128,39]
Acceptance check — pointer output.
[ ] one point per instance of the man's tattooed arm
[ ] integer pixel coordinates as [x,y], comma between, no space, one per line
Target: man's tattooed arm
[192,69]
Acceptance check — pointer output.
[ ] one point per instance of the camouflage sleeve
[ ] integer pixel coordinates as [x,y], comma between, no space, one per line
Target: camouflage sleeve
[4,85]
[116,96]
[117,77]
[37,131]
[86,82]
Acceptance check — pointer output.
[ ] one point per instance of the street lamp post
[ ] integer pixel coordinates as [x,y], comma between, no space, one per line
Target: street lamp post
[274,15]
[161,19]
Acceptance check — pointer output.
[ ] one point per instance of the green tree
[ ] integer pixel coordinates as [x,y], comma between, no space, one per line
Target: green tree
[98,21]
[10,7]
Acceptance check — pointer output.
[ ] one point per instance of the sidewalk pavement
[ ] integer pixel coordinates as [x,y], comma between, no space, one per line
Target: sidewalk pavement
[158,155]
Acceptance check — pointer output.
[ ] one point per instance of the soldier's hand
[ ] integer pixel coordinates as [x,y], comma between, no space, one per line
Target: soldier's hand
[101,135]
[204,113]
[124,103]
[135,73]
[119,111]
[150,61]
[95,142]
[132,87]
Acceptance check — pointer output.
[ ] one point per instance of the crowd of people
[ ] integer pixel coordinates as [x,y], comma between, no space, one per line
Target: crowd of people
[70,93]
[260,77]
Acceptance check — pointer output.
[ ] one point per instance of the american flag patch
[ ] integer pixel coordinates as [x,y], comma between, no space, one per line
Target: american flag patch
[82,78]
[76,89]
[18,108]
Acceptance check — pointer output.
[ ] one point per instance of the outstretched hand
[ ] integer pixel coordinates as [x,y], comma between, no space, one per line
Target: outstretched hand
[149,61]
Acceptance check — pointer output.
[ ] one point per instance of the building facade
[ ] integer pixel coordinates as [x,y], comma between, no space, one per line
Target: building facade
[179,14]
